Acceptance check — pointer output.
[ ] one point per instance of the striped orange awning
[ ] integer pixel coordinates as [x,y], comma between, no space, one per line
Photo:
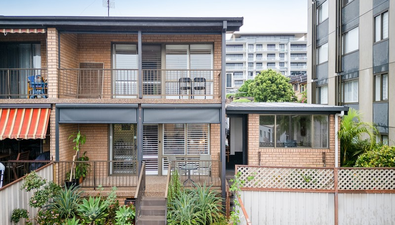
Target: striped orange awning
[25,123]
[23,31]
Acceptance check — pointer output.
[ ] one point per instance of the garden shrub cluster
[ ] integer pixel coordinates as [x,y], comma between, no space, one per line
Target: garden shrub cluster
[379,156]
[58,205]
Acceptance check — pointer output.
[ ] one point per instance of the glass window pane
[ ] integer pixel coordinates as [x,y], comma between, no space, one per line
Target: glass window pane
[377,28]
[266,127]
[229,80]
[377,86]
[351,41]
[320,132]
[174,139]
[385,25]
[323,53]
[385,86]
[293,131]
[176,57]
[324,95]
[197,139]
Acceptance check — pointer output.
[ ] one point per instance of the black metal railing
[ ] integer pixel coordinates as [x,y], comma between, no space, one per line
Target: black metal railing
[92,174]
[25,83]
[124,83]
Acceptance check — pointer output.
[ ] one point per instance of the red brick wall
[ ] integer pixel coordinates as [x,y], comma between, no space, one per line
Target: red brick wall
[300,157]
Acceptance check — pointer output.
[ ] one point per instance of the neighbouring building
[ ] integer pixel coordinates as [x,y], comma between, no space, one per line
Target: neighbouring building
[247,54]
[299,84]
[351,58]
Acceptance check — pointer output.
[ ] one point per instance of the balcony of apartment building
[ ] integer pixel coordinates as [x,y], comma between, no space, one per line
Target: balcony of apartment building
[298,66]
[298,48]
[104,66]
[23,72]
[298,57]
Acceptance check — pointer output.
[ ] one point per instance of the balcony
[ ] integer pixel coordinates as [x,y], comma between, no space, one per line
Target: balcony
[298,49]
[124,83]
[298,67]
[300,58]
[21,83]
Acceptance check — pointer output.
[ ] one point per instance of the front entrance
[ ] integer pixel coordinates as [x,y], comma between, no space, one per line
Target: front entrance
[237,150]
[150,148]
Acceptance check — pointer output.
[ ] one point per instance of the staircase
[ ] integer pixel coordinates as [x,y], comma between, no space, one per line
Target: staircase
[153,204]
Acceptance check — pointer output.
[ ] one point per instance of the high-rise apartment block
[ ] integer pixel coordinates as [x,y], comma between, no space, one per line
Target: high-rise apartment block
[247,54]
[351,58]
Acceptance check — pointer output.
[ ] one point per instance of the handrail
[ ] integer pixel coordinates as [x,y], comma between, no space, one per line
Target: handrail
[248,222]
[140,189]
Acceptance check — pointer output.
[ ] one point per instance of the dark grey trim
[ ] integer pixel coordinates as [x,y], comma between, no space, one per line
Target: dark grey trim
[140,65]
[279,113]
[197,116]
[92,106]
[139,137]
[283,110]
[21,106]
[181,106]
[222,115]
[58,49]
[57,118]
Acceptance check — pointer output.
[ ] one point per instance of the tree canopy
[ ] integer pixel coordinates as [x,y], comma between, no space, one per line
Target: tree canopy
[269,86]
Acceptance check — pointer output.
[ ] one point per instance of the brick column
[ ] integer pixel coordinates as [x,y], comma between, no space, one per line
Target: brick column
[53,62]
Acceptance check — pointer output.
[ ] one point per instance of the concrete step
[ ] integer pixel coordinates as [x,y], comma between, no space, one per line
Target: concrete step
[153,201]
[151,220]
[153,210]
[154,194]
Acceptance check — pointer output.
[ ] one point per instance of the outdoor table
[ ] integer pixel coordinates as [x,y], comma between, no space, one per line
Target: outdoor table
[188,168]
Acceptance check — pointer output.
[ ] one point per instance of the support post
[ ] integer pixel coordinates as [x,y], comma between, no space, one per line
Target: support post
[140,65]
[223,122]
[139,138]
[336,197]
[57,118]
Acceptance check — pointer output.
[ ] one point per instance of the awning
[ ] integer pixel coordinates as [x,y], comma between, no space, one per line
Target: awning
[24,123]
[23,31]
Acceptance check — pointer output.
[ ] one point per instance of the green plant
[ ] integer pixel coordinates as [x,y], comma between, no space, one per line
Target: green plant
[379,156]
[175,187]
[82,167]
[92,210]
[183,210]
[66,202]
[242,100]
[208,203]
[350,134]
[48,217]
[237,183]
[18,214]
[32,181]
[72,221]
[125,215]
[78,139]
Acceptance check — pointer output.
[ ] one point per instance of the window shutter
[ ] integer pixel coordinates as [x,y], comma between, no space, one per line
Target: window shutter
[173,142]
[197,139]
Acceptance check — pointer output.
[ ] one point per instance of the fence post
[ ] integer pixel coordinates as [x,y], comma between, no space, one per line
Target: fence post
[94,175]
[336,197]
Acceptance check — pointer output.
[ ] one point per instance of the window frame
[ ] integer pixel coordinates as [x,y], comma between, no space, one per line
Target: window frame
[381,26]
[319,49]
[344,35]
[312,116]
[381,99]
[319,95]
[319,12]
[344,93]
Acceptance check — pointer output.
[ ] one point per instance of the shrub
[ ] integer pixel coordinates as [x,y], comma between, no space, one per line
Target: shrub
[72,221]
[380,156]
[125,215]
[18,214]
[66,202]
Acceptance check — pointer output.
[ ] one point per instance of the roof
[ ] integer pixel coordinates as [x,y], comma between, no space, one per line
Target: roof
[281,108]
[124,24]
[298,79]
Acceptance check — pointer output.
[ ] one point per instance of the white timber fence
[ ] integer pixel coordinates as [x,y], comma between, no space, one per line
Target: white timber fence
[325,196]
[12,197]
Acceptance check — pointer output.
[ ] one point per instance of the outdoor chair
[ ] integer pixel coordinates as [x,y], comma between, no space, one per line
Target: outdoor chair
[184,86]
[205,166]
[22,167]
[199,84]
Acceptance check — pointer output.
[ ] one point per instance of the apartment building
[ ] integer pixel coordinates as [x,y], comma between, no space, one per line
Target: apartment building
[351,58]
[247,54]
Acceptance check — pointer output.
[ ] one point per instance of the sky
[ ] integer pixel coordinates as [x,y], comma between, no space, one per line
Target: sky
[259,15]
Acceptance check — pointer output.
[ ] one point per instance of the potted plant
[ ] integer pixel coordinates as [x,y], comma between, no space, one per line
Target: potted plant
[79,139]
[82,167]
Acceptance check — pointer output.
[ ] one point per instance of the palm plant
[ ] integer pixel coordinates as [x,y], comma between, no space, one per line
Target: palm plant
[350,133]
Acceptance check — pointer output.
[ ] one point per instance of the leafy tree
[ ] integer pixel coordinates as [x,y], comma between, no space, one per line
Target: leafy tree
[350,134]
[244,89]
[379,156]
[270,86]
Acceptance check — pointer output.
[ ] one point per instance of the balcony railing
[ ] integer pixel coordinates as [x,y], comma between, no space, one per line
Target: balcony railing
[298,49]
[198,171]
[23,83]
[118,173]
[298,67]
[124,83]
[15,169]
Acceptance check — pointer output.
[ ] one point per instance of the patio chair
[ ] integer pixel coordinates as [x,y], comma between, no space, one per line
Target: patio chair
[199,84]
[184,86]
[18,167]
[205,166]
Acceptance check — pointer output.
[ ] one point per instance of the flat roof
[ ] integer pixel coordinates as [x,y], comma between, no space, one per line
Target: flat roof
[281,108]
[145,24]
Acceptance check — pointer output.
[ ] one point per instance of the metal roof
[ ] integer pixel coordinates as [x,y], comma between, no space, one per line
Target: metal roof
[281,108]
[124,24]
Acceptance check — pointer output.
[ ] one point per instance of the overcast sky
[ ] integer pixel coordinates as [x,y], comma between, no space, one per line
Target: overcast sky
[259,15]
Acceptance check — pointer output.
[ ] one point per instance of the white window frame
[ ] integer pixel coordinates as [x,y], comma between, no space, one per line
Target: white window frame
[350,91]
[381,86]
[322,12]
[350,41]
[322,53]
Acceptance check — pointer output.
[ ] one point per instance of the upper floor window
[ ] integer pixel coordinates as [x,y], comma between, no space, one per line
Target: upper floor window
[351,41]
[322,95]
[293,131]
[322,12]
[259,47]
[250,57]
[186,139]
[350,91]
[345,2]
[381,27]
[229,79]
[271,46]
[251,65]
[282,56]
[258,56]
[322,53]
[381,87]
[250,47]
